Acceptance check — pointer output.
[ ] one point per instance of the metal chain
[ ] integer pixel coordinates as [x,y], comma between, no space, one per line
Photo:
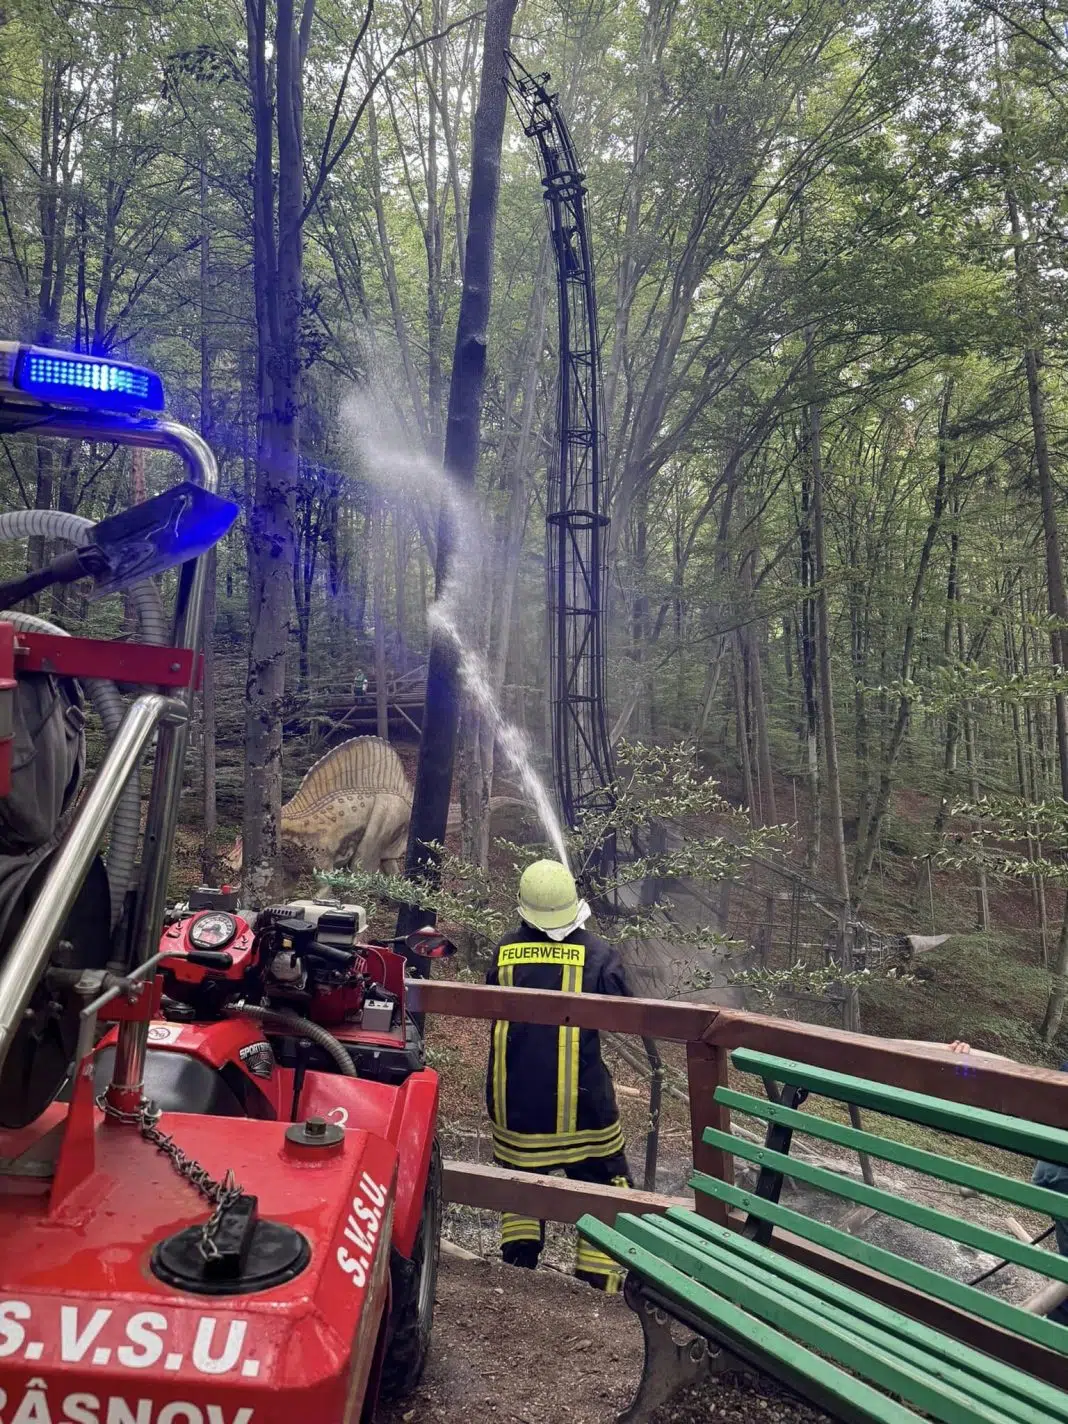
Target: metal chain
[220,1195]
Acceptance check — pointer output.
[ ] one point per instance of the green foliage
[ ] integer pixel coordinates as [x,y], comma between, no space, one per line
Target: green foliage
[995,823]
[818,980]
[987,989]
[654,784]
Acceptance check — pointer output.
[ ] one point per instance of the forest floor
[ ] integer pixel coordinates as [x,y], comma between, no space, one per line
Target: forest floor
[535,1347]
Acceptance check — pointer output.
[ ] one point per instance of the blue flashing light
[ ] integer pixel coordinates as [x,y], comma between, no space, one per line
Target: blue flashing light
[87,381]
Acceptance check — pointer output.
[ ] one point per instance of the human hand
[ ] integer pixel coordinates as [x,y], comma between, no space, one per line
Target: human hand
[959,1046]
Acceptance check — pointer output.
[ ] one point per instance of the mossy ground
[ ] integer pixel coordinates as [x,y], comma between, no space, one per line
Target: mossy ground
[988,989]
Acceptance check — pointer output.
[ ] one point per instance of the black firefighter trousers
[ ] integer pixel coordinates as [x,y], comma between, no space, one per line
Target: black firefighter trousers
[522,1237]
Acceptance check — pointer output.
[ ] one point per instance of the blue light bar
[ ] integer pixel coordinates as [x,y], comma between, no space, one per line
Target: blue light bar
[91,382]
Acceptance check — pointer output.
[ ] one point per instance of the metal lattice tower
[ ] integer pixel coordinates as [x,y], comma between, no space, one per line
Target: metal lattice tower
[576,525]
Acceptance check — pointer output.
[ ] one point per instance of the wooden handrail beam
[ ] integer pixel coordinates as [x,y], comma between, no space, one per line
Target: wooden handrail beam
[543,1197]
[999,1084]
[648,1018]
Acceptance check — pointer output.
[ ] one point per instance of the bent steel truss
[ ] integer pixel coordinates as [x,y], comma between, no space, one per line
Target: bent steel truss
[576,525]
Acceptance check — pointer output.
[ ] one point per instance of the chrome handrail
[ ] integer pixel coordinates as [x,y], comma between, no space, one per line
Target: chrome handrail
[28,957]
[25,963]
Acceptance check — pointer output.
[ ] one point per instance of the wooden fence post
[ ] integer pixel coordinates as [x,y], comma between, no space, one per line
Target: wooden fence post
[706,1070]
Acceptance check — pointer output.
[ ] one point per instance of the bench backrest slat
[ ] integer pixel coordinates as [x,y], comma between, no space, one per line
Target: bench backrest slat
[1006,1248]
[946,1169]
[988,1307]
[1015,1134]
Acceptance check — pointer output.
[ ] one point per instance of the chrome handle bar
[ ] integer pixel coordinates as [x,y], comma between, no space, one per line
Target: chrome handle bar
[26,960]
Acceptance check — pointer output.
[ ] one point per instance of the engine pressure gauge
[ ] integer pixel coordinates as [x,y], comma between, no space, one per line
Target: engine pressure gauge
[212,930]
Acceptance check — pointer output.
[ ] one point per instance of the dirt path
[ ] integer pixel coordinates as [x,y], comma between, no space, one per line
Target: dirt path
[536,1347]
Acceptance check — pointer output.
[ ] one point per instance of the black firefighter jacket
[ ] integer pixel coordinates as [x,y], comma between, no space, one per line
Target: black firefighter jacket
[549,1096]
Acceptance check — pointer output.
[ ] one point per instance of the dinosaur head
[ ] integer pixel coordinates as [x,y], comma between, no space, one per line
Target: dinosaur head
[233,857]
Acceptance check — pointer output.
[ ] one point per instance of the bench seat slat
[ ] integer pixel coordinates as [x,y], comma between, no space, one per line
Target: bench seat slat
[843,1345]
[1045,1263]
[991,1381]
[947,1169]
[1015,1134]
[744,1326]
[866,1253]
[922,1377]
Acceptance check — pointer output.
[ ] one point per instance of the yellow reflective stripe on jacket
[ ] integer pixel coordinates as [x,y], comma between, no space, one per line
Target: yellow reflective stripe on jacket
[591,1135]
[542,952]
[500,1058]
[555,1151]
[567,1066]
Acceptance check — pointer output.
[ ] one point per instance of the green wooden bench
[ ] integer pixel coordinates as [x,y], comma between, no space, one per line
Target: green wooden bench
[783,1312]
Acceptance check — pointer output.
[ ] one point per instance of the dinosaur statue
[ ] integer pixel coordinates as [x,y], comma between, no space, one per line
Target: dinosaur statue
[351,808]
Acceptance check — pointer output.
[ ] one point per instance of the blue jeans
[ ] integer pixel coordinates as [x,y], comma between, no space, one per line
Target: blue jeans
[1055,1178]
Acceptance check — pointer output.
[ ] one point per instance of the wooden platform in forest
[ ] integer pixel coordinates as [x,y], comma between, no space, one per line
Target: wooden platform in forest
[332,713]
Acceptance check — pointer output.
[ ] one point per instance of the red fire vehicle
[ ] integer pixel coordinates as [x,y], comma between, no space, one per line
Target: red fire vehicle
[220,1189]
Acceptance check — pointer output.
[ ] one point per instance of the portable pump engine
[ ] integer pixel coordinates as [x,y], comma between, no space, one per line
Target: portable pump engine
[311,953]
[305,960]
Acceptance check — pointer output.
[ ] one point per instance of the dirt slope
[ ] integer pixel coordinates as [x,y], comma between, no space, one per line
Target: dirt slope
[535,1347]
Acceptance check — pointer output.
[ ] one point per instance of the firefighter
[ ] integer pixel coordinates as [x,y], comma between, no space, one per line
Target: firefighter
[549,1095]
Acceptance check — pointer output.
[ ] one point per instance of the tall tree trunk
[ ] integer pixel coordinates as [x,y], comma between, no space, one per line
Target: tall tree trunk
[379,542]
[208,635]
[437,745]
[952,736]
[1058,607]
[1027,306]
[881,804]
[1025,773]
[278,264]
[400,577]
[982,901]
[745,757]
[52,212]
[809,674]
[476,787]
[831,777]
[639,630]
[432,238]
[768,811]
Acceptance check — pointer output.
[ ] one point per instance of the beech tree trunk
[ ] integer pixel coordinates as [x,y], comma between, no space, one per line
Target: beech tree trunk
[278,199]
[870,833]
[745,757]
[1058,607]
[207,705]
[768,811]
[831,777]
[831,781]
[378,540]
[437,745]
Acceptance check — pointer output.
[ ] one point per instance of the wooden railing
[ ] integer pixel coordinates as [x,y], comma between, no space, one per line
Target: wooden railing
[709,1032]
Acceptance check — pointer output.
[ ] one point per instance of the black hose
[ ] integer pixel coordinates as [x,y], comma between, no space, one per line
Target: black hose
[301,1027]
[1002,1264]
